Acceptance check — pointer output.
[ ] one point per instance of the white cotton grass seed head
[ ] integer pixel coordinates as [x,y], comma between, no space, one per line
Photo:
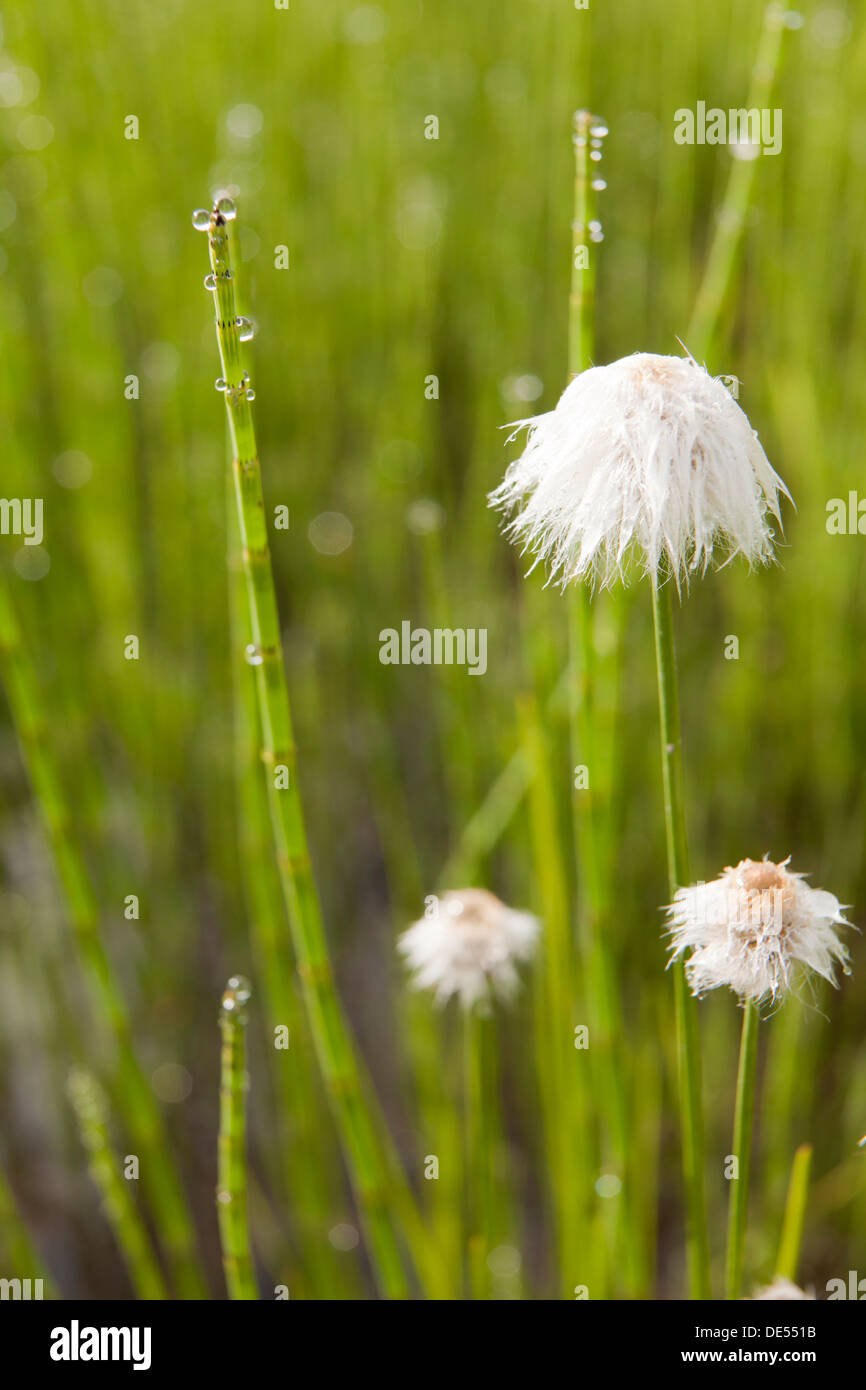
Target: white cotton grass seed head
[754,928]
[781,1290]
[649,459]
[469,944]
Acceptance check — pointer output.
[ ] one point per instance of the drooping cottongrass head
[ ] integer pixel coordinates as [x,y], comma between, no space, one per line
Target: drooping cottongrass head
[649,458]
[753,928]
[781,1290]
[469,944]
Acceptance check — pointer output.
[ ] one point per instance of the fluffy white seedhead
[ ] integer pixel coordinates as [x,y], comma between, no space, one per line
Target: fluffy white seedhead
[469,945]
[753,928]
[781,1290]
[645,459]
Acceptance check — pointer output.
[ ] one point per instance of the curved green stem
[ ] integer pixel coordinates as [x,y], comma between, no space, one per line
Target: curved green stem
[380,1189]
[794,1219]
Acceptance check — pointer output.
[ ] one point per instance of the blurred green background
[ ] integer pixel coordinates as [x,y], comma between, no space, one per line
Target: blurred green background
[408,257]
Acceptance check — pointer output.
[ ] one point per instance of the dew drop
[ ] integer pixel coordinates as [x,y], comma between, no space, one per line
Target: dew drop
[595,155]
[608,1185]
[599,185]
[579,141]
[846,970]
[253,655]
[250,394]
[598,131]
[201,219]
[210,282]
[246,329]
[221,384]
[226,208]
[240,987]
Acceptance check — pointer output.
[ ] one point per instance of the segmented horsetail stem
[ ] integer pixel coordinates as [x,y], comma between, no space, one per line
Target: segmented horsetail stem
[91,1111]
[232,1143]
[132,1094]
[311,1186]
[363,1144]
[589,134]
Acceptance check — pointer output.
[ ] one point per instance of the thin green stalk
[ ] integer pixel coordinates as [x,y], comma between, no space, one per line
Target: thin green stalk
[478,1149]
[365,1147]
[560,1081]
[89,1103]
[607,1030]
[132,1093]
[309,1184]
[581,304]
[744,1115]
[231,1196]
[731,220]
[688,1044]
[794,1219]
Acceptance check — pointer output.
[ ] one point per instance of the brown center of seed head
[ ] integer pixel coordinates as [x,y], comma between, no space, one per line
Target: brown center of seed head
[755,877]
[473,905]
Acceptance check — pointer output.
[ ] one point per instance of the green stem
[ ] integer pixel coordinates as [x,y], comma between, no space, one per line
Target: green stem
[478,1150]
[608,1033]
[581,304]
[561,1085]
[688,1043]
[731,221]
[311,1186]
[744,1111]
[364,1147]
[131,1091]
[795,1214]
[232,1212]
[121,1212]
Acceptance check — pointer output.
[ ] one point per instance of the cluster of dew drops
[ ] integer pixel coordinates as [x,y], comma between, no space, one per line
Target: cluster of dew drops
[201,220]
[597,131]
[238,992]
